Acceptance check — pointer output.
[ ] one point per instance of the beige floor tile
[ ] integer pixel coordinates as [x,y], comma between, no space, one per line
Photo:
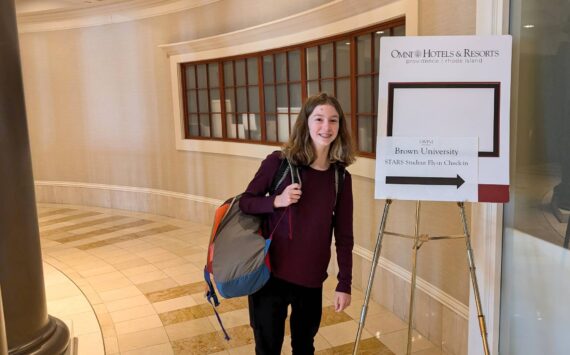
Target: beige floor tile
[120,293]
[185,268]
[162,265]
[189,329]
[100,270]
[111,345]
[127,303]
[231,319]
[142,339]
[157,285]
[173,304]
[355,309]
[136,325]
[91,344]
[397,341]
[133,261]
[430,351]
[137,270]
[188,278]
[383,323]
[106,278]
[104,318]
[84,323]
[107,286]
[147,277]
[243,350]
[59,291]
[342,333]
[132,313]
[65,307]
[160,349]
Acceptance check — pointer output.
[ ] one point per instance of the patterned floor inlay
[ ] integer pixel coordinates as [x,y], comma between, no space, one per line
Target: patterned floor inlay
[127,237]
[142,275]
[82,236]
[54,212]
[68,218]
[72,227]
[202,310]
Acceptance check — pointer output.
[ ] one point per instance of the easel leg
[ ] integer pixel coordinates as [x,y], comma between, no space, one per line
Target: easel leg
[375,260]
[414,273]
[471,261]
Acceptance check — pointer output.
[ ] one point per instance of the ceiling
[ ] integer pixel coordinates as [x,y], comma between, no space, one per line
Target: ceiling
[39,6]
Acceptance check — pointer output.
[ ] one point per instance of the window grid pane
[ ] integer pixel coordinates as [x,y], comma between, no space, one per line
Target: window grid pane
[262,94]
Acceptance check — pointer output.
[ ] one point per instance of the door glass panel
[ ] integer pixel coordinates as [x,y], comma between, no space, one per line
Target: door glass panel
[327,61]
[228,74]
[213,74]
[240,72]
[294,66]
[343,58]
[190,77]
[363,52]
[536,263]
[252,71]
[269,99]
[268,69]
[312,63]
[281,68]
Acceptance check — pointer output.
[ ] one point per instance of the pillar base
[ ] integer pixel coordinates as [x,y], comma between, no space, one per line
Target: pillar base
[54,340]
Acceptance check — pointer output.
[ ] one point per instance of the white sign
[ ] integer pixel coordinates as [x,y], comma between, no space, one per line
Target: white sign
[450,86]
[427,168]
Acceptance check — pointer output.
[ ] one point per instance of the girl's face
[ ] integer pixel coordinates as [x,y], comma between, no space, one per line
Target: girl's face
[323,125]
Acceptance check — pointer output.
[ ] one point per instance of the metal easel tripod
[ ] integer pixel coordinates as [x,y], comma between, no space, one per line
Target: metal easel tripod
[419,240]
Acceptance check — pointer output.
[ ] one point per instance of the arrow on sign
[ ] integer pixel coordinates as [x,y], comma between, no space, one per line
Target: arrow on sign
[414,180]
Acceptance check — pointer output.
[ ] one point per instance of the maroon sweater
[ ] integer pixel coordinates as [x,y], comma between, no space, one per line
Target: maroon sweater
[302,256]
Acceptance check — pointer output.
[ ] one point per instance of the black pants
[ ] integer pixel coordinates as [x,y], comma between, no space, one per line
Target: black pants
[268,311]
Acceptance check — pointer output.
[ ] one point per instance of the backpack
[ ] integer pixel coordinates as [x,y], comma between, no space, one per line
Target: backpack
[237,253]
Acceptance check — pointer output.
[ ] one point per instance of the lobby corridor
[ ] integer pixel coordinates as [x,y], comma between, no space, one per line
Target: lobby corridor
[131,283]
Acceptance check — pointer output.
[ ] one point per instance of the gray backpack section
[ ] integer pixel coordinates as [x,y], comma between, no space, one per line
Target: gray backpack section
[239,240]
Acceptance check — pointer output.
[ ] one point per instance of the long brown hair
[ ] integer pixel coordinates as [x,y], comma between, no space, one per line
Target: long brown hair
[299,149]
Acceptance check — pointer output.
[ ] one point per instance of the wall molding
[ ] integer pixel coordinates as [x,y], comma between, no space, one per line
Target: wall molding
[210,203]
[142,190]
[434,292]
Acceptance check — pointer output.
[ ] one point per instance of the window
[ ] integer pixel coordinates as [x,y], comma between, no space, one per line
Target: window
[255,98]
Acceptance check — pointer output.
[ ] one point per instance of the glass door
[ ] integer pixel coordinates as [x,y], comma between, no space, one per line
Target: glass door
[535,315]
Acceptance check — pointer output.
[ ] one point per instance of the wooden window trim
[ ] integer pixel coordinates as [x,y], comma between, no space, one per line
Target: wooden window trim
[302,49]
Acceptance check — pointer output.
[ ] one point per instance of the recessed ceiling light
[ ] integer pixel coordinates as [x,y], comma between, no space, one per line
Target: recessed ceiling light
[528,26]
[347,43]
[379,32]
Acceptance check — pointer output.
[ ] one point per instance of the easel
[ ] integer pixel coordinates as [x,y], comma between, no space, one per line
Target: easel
[419,240]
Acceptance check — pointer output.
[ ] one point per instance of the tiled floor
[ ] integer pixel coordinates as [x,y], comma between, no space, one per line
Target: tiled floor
[141,276]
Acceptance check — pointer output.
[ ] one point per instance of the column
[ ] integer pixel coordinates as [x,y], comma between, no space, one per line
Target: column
[29,329]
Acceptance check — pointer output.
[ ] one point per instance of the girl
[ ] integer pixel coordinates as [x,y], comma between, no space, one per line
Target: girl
[300,250]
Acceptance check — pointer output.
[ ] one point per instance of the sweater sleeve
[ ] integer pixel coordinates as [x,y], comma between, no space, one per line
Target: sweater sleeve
[344,239]
[254,199]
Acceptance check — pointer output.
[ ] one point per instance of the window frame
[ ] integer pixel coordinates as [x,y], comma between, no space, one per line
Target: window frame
[351,36]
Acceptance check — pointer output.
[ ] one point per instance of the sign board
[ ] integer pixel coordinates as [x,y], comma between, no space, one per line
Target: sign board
[449,86]
[433,169]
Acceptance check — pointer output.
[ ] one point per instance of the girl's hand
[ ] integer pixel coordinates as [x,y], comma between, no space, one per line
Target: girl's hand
[341,301]
[289,196]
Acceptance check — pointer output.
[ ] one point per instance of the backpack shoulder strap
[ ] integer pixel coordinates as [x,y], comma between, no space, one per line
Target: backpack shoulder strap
[339,174]
[285,167]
